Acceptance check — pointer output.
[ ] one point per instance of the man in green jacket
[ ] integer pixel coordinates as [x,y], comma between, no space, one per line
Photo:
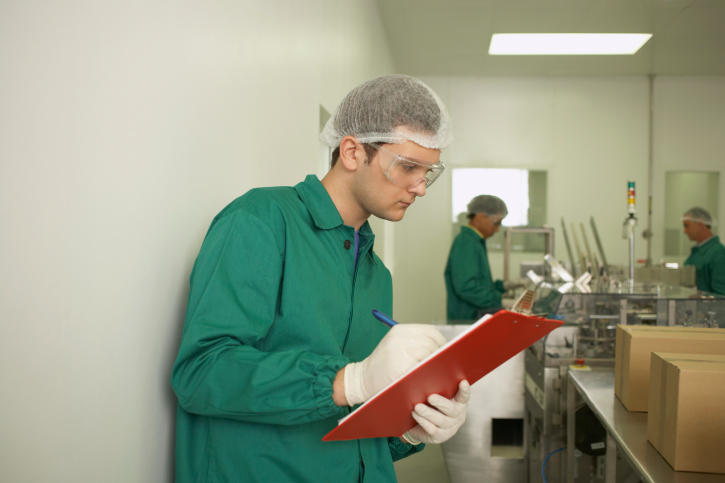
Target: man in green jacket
[279,341]
[708,255]
[471,290]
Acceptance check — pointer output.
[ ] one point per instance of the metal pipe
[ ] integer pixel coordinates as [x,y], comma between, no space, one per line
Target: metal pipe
[568,248]
[599,246]
[631,258]
[610,465]
[570,430]
[592,260]
[630,222]
[650,169]
[582,258]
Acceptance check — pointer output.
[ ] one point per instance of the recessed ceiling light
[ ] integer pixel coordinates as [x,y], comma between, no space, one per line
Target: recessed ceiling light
[567,44]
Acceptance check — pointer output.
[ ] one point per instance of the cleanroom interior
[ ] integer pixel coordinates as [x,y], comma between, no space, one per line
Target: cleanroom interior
[126,126]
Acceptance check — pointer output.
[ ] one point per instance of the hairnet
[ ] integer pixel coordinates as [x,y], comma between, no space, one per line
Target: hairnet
[699,215]
[489,205]
[390,109]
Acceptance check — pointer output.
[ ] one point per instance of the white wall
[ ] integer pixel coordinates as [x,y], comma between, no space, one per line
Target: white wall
[124,128]
[590,134]
[689,136]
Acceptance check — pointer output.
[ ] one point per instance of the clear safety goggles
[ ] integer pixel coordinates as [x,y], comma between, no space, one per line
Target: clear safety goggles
[407,172]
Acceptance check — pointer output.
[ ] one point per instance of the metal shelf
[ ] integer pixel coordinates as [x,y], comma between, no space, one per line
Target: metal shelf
[625,430]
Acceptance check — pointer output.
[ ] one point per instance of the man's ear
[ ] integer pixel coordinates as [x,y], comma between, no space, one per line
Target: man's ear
[352,153]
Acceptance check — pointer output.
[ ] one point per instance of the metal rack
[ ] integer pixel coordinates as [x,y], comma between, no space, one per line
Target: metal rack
[626,432]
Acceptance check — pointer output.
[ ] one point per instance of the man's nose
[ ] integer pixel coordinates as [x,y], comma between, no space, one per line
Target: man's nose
[418,190]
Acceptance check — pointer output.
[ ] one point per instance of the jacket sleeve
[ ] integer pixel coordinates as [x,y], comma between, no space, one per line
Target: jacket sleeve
[219,370]
[718,272]
[470,283]
[400,449]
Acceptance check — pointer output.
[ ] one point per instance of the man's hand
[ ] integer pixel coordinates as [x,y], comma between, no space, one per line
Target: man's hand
[440,424]
[402,347]
[514,284]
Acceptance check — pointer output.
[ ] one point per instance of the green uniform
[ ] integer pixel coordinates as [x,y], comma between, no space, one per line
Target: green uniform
[709,262]
[469,285]
[276,308]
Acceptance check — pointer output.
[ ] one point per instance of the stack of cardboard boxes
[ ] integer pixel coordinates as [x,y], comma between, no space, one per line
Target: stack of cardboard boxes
[677,375]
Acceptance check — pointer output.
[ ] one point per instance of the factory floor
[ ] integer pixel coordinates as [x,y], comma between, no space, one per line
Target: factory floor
[427,466]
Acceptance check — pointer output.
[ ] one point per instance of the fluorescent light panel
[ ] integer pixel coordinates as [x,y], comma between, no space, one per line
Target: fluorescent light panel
[567,44]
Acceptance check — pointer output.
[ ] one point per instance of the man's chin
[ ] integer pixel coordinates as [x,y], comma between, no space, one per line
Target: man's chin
[396,216]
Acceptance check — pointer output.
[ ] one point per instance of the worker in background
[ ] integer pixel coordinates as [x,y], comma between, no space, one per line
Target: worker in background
[708,255]
[279,341]
[471,290]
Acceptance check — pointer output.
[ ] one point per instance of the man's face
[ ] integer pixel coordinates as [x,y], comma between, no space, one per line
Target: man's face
[488,225]
[377,194]
[693,229]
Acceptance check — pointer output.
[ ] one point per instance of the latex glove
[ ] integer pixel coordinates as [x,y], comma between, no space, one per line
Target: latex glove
[402,347]
[440,424]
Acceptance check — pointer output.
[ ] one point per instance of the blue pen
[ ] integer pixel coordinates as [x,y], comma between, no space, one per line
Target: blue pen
[384,318]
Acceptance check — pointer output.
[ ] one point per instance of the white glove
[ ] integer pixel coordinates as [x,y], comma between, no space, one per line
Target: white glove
[401,348]
[439,425]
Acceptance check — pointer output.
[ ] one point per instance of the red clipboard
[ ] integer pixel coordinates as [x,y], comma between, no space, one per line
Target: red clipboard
[486,345]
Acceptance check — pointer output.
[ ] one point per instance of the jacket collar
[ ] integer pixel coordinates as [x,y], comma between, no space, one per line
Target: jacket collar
[318,203]
[323,211]
[471,232]
[712,241]
[480,235]
[705,242]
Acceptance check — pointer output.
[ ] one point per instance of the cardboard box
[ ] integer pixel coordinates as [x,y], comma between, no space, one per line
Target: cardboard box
[657,382]
[632,356]
[686,421]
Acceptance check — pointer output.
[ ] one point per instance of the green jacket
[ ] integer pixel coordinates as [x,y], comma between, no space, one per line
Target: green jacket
[275,309]
[469,285]
[709,262]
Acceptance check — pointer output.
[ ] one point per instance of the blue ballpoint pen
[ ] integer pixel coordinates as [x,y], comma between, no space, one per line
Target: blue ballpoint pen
[384,318]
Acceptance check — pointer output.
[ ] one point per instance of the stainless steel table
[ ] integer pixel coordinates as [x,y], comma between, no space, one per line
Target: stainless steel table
[625,430]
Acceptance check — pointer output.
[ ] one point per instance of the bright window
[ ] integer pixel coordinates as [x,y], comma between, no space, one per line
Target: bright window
[511,185]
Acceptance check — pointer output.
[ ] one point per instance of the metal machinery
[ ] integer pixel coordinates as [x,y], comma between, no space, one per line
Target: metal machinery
[548,233]
[517,414]
[588,335]
[679,275]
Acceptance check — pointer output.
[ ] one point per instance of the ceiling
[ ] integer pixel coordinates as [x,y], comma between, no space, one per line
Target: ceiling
[451,37]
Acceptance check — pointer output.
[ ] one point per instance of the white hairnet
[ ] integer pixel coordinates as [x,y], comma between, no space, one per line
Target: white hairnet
[489,205]
[391,109]
[699,215]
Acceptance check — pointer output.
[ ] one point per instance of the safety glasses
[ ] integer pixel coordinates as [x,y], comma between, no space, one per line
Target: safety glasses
[405,171]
